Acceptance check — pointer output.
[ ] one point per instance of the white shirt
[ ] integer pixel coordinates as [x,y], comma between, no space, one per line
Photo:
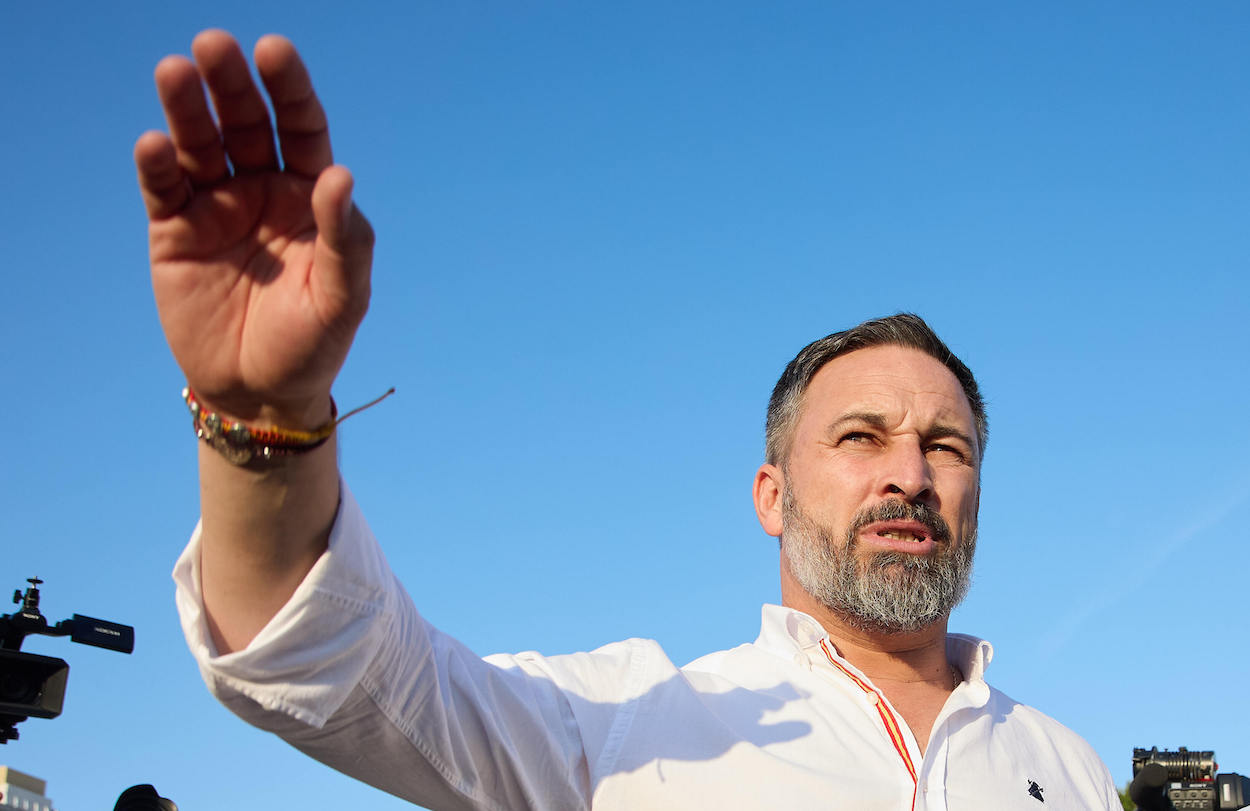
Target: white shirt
[350,673]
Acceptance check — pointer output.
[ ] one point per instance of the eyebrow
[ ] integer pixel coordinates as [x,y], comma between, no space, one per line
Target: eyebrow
[877,420]
[871,418]
[943,431]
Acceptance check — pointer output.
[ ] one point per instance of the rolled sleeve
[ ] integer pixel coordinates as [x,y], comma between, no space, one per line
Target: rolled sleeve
[305,662]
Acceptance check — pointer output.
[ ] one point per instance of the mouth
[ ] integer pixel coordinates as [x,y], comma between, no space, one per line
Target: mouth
[902,535]
[908,536]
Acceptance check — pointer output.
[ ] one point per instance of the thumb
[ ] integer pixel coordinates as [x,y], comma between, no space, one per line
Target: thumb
[344,250]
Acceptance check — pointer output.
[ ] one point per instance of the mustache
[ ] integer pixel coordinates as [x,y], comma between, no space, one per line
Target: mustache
[898,510]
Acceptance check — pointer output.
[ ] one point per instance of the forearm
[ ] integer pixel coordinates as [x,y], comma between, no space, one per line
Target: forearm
[262,530]
[349,666]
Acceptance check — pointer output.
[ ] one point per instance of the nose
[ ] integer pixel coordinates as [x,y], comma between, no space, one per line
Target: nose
[908,475]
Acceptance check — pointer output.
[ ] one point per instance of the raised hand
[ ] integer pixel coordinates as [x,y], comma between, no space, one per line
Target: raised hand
[260,260]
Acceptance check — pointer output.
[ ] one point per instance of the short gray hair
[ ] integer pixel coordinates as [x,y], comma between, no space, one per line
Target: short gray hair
[904,329]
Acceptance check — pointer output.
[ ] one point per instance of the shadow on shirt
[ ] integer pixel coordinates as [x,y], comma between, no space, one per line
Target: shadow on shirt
[436,725]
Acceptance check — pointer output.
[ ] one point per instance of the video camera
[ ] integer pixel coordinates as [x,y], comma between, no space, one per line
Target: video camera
[1181,780]
[34,685]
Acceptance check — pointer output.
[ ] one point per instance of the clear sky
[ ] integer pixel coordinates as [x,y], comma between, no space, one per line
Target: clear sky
[603,231]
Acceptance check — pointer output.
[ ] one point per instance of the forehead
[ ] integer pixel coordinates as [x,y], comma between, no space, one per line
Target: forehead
[896,382]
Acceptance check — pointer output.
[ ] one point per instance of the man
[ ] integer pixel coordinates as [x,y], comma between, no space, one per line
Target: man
[854,695]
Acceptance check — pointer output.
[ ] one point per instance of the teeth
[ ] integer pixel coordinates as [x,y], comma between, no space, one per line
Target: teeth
[901,536]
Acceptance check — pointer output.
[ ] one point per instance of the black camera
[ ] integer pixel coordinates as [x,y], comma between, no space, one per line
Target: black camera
[1166,780]
[32,685]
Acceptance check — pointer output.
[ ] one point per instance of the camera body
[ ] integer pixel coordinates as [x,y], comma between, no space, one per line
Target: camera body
[33,686]
[1179,779]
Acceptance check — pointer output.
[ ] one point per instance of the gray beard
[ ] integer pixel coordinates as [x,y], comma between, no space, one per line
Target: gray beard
[890,591]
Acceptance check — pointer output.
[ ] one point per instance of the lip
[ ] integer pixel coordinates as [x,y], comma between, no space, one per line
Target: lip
[872,534]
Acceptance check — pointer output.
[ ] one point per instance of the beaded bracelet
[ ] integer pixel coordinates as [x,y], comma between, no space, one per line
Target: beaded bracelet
[241,444]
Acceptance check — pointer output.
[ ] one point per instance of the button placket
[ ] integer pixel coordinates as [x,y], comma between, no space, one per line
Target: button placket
[886,719]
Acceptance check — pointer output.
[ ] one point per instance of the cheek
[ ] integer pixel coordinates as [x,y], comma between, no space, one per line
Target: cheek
[848,478]
[969,512]
[840,497]
[962,501]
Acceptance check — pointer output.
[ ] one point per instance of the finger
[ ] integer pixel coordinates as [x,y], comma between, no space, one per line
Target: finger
[242,115]
[344,248]
[163,183]
[303,133]
[191,125]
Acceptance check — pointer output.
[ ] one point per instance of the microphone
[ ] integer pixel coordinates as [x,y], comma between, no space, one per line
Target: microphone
[1147,788]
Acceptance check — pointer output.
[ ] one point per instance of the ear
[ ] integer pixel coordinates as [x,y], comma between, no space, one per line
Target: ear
[769,485]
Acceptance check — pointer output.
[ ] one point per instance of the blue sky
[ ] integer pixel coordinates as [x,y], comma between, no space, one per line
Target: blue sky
[603,231]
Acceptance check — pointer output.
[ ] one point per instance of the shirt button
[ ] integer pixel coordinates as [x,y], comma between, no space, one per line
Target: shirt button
[871,698]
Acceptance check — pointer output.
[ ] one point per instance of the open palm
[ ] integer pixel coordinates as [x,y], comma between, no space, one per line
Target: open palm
[260,270]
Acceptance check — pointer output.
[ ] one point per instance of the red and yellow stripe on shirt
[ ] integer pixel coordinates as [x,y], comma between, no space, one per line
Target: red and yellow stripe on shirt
[887,718]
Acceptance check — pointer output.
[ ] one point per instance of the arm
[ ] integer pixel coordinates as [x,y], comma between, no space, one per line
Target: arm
[261,276]
[350,674]
[260,269]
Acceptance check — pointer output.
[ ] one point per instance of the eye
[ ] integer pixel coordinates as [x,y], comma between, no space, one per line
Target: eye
[856,438]
[938,447]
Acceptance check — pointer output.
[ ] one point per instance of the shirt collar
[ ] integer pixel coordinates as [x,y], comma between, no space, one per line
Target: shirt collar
[785,631]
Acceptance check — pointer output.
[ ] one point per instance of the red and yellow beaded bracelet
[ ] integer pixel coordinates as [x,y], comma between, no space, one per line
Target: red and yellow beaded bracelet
[241,444]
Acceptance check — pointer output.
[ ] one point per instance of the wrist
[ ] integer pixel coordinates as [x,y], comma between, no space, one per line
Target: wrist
[263,440]
[295,414]
[267,436]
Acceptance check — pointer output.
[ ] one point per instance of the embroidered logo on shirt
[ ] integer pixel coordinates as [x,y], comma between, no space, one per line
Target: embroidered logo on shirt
[1035,791]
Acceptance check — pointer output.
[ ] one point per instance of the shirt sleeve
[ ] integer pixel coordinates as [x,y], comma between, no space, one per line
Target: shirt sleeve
[349,672]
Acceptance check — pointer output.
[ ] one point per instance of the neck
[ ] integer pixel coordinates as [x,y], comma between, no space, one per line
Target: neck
[902,659]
